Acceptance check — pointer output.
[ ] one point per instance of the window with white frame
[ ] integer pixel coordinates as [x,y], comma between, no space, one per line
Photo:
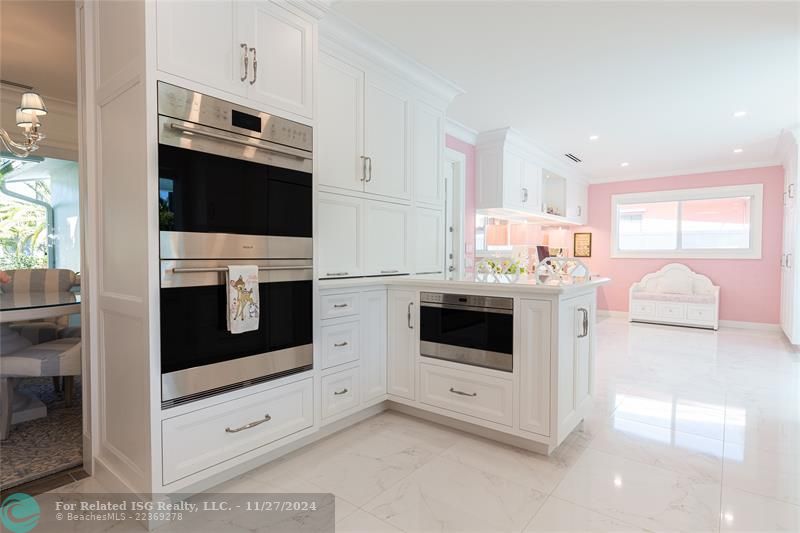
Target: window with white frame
[708,222]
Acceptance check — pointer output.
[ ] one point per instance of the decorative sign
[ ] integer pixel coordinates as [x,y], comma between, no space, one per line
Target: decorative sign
[582,244]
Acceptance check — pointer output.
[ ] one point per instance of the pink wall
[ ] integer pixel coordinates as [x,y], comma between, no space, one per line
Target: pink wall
[469,216]
[749,288]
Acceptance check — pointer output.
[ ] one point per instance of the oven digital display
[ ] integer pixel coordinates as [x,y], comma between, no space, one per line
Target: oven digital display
[243,120]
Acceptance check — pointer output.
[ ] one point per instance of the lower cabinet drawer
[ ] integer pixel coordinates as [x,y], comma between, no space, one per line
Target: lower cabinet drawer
[473,394]
[700,313]
[340,343]
[671,311]
[643,308]
[201,439]
[340,392]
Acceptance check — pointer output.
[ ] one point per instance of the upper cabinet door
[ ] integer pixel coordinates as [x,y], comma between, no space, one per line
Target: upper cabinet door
[386,139]
[532,187]
[385,238]
[577,197]
[199,41]
[513,179]
[280,43]
[340,125]
[339,222]
[427,154]
[429,241]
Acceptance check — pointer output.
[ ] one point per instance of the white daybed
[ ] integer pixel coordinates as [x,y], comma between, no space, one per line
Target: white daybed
[675,295]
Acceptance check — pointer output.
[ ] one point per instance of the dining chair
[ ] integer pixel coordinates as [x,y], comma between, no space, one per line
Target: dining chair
[23,283]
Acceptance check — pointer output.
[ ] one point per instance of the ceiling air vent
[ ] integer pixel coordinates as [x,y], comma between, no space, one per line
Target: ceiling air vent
[573,157]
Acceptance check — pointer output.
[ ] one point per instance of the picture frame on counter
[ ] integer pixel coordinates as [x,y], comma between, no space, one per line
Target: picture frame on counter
[582,244]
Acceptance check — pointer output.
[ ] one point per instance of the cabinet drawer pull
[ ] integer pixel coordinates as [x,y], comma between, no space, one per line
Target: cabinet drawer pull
[244,58]
[339,393]
[340,344]
[462,393]
[339,306]
[363,168]
[389,271]
[336,273]
[266,418]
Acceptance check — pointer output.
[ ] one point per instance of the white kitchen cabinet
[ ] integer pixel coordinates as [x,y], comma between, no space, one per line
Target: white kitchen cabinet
[427,146]
[280,47]
[200,41]
[577,199]
[513,180]
[575,359]
[340,125]
[428,241]
[386,136]
[340,342]
[403,320]
[261,50]
[339,235]
[386,228]
[534,394]
[373,345]
[340,392]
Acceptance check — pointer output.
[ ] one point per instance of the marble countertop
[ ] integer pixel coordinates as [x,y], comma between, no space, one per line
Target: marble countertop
[522,284]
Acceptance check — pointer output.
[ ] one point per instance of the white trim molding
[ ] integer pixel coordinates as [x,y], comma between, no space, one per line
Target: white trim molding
[461,132]
[687,172]
[755,191]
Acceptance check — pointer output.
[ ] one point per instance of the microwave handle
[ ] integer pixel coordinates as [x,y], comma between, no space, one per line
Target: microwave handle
[189,270]
[218,137]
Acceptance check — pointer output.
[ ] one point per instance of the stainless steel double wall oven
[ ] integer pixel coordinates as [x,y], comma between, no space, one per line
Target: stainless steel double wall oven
[235,187]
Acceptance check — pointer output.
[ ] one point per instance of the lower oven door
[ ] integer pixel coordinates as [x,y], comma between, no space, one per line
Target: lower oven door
[200,357]
[469,335]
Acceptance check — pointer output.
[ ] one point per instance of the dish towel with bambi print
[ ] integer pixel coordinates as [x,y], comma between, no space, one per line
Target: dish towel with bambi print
[243,305]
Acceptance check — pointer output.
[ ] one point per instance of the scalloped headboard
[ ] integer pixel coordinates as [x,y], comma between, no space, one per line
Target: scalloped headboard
[675,272]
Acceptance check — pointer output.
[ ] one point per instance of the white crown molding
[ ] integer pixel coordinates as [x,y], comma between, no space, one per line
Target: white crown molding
[514,139]
[461,132]
[344,32]
[687,172]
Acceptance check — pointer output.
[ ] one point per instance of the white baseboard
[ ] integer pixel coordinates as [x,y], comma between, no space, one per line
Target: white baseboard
[738,324]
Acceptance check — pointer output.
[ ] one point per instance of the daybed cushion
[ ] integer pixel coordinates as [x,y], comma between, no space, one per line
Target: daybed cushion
[670,297]
[675,285]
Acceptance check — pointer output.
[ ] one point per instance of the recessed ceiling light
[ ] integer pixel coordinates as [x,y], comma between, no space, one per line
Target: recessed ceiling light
[594,137]
[737,150]
[625,164]
[740,114]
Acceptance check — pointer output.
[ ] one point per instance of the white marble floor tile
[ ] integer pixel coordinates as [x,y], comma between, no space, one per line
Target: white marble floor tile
[697,457]
[561,515]
[446,495]
[775,474]
[363,522]
[640,494]
[744,511]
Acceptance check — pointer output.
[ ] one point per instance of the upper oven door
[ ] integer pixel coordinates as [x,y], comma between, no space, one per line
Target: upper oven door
[215,183]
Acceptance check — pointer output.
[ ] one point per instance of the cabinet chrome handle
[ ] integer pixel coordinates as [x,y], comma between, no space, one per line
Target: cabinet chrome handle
[339,393]
[336,273]
[338,306]
[244,58]
[251,425]
[363,168]
[340,344]
[389,271]
[783,260]
[369,169]
[789,260]
[410,325]
[524,194]
[579,211]
[462,393]
[585,313]
[255,67]
[791,190]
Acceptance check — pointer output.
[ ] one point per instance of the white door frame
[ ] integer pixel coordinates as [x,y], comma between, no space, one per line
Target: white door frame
[455,202]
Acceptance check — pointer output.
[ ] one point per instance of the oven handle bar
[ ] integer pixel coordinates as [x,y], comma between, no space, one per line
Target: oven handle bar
[469,308]
[299,154]
[189,270]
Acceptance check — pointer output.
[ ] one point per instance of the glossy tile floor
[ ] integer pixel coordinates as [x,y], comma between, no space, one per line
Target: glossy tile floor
[691,431]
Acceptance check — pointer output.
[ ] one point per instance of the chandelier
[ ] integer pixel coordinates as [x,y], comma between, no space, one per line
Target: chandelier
[31,107]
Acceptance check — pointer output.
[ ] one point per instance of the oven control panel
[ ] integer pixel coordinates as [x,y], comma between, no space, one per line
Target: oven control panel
[466,300]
